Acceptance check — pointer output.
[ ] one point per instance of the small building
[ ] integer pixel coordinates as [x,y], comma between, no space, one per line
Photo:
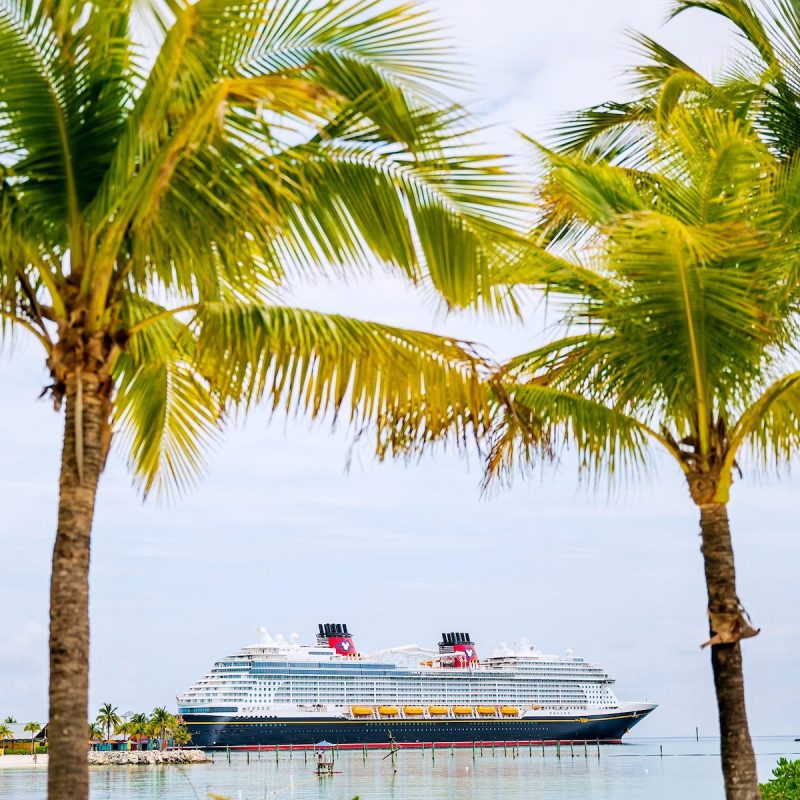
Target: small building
[22,738]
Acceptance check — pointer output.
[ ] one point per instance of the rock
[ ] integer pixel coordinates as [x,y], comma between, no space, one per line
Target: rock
[105,758]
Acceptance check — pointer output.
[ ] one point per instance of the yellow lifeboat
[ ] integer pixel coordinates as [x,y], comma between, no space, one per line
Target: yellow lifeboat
[361,711]
[509,711]
[437,711]
[388,711]
[413,711]
[487,711]
[462,711]
[535,707]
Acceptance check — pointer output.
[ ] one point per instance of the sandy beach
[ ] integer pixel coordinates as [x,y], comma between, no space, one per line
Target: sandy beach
[10,762]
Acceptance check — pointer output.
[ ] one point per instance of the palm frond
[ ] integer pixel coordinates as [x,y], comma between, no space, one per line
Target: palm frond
[411,387]
[535,421]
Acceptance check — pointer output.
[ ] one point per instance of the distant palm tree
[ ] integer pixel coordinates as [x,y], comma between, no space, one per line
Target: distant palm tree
[33,728]
[163,722]
[138,727]
[181,736]
[680,331]
[9,720]
[94,732]
[108,719]
[124,730]
[152,211]
[5,733]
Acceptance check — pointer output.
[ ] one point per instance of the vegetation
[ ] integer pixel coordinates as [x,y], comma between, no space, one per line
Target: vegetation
[679,332]
[33,728]
[159,727]
[785,785]
[94,732]
[107,719]
[151,211]
[5,733]
[9,720]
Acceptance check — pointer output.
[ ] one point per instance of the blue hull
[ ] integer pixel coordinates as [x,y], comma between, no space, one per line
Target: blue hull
[216,731]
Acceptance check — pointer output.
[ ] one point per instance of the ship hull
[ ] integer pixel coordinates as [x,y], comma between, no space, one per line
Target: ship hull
[216,731]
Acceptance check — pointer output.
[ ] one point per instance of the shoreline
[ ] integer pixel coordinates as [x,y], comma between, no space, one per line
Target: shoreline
[115,758]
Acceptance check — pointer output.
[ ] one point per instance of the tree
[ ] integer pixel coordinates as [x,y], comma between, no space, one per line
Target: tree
[679,320]
[5,733]
[108,719]
[33,728]
[94,732]
[163,723]
[182,736]
[124,729]
[785,783]
[9,720]
[151,211]
[138,727]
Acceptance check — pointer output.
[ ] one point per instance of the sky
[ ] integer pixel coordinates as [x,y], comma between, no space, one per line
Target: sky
[280,534]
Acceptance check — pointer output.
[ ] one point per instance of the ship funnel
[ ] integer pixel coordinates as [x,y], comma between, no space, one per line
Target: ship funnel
[457,650]
[336,636]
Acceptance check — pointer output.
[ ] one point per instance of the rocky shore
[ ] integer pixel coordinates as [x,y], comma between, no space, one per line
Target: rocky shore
[146,757]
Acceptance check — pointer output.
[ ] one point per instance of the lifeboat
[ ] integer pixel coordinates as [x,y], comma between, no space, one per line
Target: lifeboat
[388,711]
[437,711]
[509,711]
[487,711]
[361,711]
[413,711]
[535,707]
[462,711]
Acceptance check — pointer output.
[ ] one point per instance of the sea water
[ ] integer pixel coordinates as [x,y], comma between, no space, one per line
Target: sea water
[640,769]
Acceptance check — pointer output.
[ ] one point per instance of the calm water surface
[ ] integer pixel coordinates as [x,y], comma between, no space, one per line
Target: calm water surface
[688,770]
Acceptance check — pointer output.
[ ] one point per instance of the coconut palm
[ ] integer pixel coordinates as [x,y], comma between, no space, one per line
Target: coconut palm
[137,727]
[94,732]
[181,736]
[124,729]
[163,723]
[5,733]
[33,728]
[9,720]
[758,81]
[679,333]
[151,210]
[108,719]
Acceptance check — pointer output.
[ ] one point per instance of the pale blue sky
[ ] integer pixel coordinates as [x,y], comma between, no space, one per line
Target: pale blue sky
[278,534]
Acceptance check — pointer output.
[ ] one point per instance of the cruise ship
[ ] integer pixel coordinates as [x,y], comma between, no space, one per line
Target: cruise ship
[279,692]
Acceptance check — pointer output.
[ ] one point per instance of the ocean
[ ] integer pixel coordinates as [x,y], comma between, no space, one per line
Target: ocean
[640,769]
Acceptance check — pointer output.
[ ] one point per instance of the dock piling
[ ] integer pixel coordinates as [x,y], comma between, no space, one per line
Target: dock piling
[558,748]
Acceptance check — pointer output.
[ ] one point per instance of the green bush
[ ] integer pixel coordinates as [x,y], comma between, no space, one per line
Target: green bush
[786,783]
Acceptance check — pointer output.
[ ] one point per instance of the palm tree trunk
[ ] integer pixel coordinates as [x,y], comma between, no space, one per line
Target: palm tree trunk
[738,759]
[84,420]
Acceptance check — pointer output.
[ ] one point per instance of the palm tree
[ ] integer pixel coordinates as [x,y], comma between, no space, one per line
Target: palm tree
[138,727]
[151,211]
[5,733]
[181,736]
[679,331]
[760,82]
[9,720]
[33,728]
[124,729]
[163,723]
[94,732]
[108,719]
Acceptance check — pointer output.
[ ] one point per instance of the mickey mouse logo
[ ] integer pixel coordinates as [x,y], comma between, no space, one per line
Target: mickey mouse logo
[345,646]
[470,652]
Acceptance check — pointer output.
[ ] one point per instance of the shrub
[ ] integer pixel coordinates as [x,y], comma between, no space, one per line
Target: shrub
[786,783]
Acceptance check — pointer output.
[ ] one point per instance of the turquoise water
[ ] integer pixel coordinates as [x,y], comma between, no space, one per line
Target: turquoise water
[688,770]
